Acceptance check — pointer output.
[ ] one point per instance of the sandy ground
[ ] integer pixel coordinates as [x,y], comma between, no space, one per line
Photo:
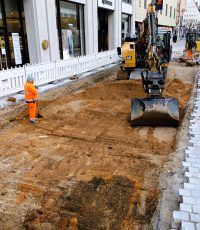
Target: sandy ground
[83,166]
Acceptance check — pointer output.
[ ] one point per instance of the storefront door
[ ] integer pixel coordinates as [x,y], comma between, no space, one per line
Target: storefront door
[13,43]
[3,53]
[102,30]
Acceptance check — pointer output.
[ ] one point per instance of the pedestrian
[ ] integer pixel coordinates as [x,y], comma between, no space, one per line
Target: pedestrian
[31,97]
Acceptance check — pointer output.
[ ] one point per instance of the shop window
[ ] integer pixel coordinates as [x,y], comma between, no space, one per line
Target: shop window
[125,26]
[13,26]
[71,29]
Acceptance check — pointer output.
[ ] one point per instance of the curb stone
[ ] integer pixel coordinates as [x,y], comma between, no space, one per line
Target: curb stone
[188,215]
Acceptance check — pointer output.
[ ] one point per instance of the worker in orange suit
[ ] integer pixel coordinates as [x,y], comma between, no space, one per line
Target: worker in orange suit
[192,45]
[31,96]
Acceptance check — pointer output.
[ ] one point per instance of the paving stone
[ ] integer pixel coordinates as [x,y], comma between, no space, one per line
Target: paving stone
[191,186]
[184,192]
[195,165]
[191,160]
[195,193]
[192,155]
[198,226]
[195,217]
[178,216]
[196,208]
[194,170]
[186,207]
[197,161]
[192,175]
[187,225]
[191,200]
[194,181]
[187,164]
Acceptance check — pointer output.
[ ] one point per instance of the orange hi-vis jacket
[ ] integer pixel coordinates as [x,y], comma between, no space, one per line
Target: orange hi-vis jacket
[31,93]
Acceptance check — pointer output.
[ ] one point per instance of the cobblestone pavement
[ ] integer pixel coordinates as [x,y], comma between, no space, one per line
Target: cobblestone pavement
[188,216]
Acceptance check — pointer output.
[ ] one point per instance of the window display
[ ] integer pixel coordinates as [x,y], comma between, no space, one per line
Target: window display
[71,29]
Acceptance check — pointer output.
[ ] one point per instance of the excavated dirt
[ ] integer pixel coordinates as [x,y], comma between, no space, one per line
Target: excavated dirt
[83,166]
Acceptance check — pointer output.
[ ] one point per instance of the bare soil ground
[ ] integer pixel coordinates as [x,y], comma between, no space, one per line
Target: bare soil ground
[83,166]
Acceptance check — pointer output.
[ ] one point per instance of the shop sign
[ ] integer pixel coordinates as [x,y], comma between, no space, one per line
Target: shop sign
[16,47]
[107,4]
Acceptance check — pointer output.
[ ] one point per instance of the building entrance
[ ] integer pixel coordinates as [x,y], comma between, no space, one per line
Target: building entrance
[13,39]
[102,29]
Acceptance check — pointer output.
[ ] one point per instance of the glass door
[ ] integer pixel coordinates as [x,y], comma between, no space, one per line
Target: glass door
[13,38]
[102,30]
[3,53]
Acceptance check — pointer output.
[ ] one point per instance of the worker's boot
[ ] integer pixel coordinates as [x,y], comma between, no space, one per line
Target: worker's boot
[33,121]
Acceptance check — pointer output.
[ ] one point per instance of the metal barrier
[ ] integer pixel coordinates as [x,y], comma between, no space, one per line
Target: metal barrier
[12,80]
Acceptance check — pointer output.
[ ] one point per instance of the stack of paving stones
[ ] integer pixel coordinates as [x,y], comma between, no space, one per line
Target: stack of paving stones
[188,216]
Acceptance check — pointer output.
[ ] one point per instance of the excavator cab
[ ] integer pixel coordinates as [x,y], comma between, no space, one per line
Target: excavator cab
[167,46]
[194,36]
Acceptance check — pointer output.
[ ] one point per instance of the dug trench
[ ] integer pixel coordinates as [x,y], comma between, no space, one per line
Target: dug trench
[83,166]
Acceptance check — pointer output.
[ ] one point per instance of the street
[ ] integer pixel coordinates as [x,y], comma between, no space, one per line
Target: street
[83,166]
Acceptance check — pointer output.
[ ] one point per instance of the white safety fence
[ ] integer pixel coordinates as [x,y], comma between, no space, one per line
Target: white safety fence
[12,80]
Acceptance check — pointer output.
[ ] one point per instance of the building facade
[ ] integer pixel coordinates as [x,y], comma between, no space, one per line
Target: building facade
[179,17]
[166,17]
[191,17]
[49,30]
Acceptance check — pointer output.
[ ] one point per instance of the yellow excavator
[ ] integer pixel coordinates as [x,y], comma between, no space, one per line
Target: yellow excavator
[154,109]
[195,37]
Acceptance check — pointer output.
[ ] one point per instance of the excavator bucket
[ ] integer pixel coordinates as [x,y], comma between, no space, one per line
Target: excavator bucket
[155,111]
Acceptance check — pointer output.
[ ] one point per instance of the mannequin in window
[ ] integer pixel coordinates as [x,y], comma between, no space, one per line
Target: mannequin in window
[68,43]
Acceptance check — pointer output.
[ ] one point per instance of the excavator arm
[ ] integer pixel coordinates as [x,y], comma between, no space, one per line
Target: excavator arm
[154,109]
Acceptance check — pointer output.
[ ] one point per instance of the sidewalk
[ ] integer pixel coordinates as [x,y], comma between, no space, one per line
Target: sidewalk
[188,215]
[177,49]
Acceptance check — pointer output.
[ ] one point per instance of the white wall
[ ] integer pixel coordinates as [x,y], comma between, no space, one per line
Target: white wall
[114,26]
[40,18]
[52,30]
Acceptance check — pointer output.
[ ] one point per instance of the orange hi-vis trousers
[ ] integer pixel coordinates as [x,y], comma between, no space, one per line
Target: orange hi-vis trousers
[189,54]
[32,107]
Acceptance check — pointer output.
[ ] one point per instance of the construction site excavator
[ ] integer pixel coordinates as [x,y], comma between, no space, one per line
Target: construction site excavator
[154,109]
